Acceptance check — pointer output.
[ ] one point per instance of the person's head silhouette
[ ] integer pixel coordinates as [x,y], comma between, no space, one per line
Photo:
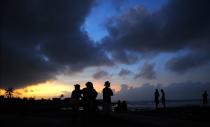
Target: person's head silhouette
[89,85]
[77,87]
[107,84]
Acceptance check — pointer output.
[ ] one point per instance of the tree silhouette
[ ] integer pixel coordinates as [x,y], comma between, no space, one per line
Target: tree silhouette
[9,92]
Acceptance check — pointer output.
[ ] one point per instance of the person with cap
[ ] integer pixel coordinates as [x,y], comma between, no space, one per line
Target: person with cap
[76,97]
[107,93]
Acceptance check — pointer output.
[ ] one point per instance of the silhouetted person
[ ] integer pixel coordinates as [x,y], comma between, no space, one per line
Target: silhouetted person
[76,97]
[89,97]
[156,98]
[118,107]
[124,107]
[89,101]
[205,98]
[163,99]
[75,102]
[107,93]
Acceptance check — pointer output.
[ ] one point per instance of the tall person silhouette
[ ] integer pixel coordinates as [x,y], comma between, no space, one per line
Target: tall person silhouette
[163,99]
[205,98]
[89,97]
[75,102]
[157,95]
[107,93]
[89,102]
[76,97]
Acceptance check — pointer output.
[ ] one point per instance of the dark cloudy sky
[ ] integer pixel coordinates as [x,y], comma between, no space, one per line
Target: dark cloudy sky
[132,42]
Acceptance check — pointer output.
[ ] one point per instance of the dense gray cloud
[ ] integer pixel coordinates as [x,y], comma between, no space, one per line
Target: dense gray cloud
[40,38]
[174,91]
[178,25]
[124,72]
[181,64]
[147,71]
[100,74]
[126,57]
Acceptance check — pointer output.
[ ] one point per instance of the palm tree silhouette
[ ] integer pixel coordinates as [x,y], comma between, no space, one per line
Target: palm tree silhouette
[9,92]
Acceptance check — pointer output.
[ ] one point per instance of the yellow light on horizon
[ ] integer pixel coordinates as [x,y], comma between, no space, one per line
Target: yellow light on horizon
[54,88]
[45,90]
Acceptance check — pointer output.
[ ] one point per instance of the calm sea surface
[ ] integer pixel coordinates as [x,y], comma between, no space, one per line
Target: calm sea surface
[148,105]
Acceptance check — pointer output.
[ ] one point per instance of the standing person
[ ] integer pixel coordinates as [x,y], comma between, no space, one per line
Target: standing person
[89,97]
[75,102]
[124,106]
[205,98]
[107,93]
[156,98]
[89,102]
[118,107]
[163,99]
[76,97]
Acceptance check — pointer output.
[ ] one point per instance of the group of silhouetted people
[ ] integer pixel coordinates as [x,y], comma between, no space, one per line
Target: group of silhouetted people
[157,98]
[121,106]
[87,98]
[163,99]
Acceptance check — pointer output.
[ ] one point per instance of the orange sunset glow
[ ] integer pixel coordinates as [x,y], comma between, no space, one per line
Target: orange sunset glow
[53,88]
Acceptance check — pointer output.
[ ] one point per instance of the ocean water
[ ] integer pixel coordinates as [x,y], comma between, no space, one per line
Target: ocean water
[149,105]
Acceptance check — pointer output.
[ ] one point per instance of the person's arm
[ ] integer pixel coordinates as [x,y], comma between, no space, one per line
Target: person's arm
[72,94]
[111,92]
[96,93]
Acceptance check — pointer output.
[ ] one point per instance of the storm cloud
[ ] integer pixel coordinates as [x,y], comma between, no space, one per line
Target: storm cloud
[147,71]
[100,74]
[124,72]
[182,64]
[178,25]
[41,38]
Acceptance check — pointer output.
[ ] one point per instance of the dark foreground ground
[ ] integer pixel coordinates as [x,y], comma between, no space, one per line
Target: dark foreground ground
[171,117]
